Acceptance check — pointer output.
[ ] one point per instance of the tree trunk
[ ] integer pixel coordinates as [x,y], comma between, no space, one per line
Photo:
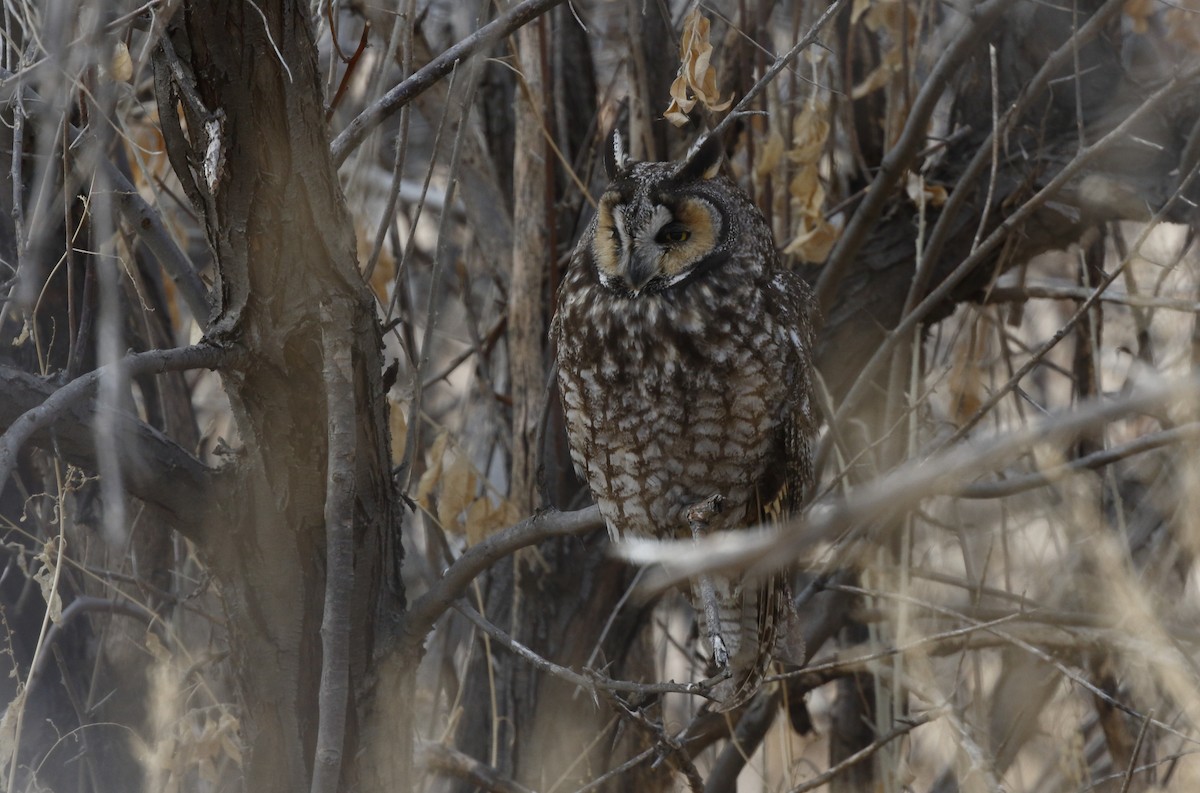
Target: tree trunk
[258,160]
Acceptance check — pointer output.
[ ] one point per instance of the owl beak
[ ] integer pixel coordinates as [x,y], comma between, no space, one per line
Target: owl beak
[640,272]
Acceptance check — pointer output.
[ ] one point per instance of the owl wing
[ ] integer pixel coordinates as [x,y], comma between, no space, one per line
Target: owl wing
[798,420]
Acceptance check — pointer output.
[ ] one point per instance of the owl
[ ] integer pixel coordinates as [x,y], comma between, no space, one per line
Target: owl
[684,362]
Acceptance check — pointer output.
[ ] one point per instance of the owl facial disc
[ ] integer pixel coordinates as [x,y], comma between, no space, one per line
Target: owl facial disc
[645,246]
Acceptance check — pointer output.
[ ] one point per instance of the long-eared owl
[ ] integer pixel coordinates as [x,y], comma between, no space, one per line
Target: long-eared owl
[684,365]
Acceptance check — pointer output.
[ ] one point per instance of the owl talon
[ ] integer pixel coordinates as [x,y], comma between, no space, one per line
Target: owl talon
[698,516]
[720,654]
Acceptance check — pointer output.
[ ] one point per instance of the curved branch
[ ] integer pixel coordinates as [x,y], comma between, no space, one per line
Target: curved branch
[64,403]
[478,558]
[422,79]
[84,604]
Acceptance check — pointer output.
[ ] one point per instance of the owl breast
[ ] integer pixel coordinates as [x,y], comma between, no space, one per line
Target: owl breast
[669,400]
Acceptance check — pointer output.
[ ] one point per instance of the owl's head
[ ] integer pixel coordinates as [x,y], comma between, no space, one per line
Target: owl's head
[661,224]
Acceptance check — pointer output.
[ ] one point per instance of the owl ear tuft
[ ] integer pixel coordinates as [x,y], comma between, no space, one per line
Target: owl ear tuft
[615,158]
[704,160]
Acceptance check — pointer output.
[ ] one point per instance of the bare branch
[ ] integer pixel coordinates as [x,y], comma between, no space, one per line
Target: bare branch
[155,469]
[64,399]
[947,473]
[1050,290]
[448,760]
[912,138]
[358,129]
[478,558]
[141,217]
[334,695]
[591,683]
[903,728]
[1019,484]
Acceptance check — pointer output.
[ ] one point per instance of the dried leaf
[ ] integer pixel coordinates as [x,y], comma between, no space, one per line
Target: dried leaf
[485,518]
[880,76]
[458,490]
[697,78]
[1182,26]
[966,381]
[45,579]
[810,130]
[808,195]
[857,9]
[155,647]
[8,728]
[120,66]
[433,472]
[399,427]
[815,240]
[935,194]
[770,154]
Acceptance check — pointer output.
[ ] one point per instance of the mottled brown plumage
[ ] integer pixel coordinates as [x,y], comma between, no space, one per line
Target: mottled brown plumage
[684,355]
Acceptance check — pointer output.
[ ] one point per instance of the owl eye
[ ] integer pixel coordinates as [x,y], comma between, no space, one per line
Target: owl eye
[674,233]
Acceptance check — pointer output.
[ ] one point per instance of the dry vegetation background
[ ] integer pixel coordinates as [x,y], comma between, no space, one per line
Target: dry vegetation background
[284,493]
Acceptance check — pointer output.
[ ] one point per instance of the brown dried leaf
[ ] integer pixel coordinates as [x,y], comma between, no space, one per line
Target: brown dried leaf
[120,66]
[770,154]
[45,579]
[808,195]
[857,9]
[935,194]
[1182,23]
[458,490]
[816,238]
[485,518]
[879,77]
[697,78]
[810,130]
[433,472]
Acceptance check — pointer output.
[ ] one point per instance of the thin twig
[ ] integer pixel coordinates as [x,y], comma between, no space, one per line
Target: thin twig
[903,728]
[912,138]
[146,224]
[1137,749]
[421,80]
[433,306]
[1019,484]
[1051,290]
[779,65]
[665,742]
[448,760]
[591,682]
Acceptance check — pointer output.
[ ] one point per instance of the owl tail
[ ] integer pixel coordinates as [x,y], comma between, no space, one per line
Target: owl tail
[747,619]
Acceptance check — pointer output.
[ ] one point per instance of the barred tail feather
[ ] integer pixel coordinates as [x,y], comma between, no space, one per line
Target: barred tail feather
[749,617]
